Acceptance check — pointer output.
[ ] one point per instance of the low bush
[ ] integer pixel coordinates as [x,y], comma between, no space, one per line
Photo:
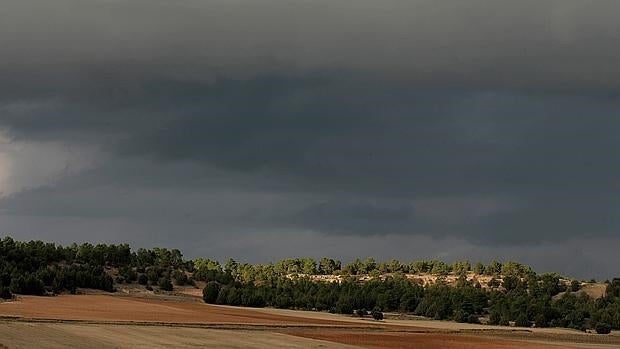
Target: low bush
[602,328]
[377,315]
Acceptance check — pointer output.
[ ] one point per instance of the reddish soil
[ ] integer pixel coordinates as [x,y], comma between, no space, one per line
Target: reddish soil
[388,340]
[103,309]
[112,308]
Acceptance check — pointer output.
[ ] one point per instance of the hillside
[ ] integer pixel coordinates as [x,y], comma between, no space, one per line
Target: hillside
[497,293]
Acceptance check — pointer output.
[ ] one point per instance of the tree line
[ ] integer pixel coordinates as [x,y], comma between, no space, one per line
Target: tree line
[516,294]
[40,268]
[539,300]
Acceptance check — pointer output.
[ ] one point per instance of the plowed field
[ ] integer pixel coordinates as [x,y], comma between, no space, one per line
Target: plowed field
[106,321]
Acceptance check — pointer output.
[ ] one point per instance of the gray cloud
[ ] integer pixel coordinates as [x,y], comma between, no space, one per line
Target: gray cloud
[486,123]
[530,45]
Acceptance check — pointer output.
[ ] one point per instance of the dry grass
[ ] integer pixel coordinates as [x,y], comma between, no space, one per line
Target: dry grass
[594,290]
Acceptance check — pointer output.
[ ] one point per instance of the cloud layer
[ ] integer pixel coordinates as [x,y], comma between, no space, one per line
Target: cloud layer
[267,125]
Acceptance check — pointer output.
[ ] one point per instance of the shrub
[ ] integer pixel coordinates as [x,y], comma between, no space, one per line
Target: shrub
[473,319]
[28,285]
[377,315]
[602,328]
[210,292]
[360,312]
[494,318]
[152,274]
[5,293]
[344,308]
[541,321]
[522,321]
[143,279]
[460,316]
[575,285]
[128,274]
[180,278]
[165,284]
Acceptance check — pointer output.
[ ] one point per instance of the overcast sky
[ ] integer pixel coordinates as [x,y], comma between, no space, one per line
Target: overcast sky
[267,129]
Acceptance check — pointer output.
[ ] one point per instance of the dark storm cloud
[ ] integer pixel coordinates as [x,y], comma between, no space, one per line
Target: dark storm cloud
[102,47]
[551,171]
[482,121]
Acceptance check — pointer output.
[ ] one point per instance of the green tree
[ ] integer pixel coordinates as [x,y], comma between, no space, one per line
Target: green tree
[479,269]
[231,267]
[5,293]
[522,321]
[510,282]
[328,266]
[165,284]
[494,317]
[369,265]
[419,267]
[440,268]
[180,278]
[211,292]
[602,328]
[541,320]
[494,268]
[308,266]
[143,279]
[460,316]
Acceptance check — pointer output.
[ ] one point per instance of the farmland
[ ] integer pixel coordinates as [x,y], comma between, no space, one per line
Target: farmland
[117,321]
[109,296]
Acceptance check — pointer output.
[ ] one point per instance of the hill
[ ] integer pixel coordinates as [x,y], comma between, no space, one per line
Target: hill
[498,293]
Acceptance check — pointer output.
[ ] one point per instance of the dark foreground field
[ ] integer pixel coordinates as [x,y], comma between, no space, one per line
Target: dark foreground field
[104,321]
